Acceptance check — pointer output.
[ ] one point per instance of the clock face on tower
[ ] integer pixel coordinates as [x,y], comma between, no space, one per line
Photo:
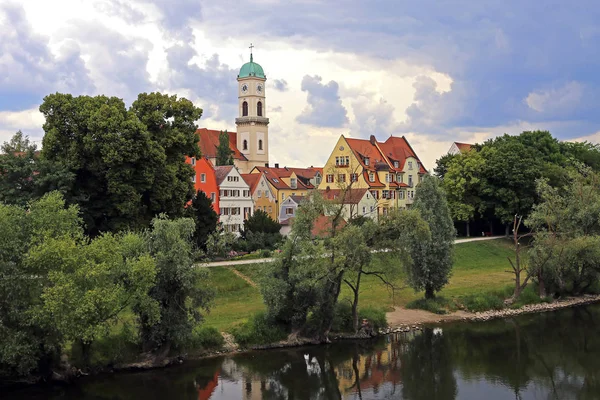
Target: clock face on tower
[259,88]
[244,88]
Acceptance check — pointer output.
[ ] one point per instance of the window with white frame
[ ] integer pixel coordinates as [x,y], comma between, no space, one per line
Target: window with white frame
[289,211]
[203,178]
[194,178]
[371,177]
[329,178]
[213,196]
[354,177]
[259,193]
[396,164]
[410,166]
[193,161]
[367,161]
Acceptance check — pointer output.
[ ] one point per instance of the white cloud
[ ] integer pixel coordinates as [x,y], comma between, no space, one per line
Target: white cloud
[558,99]
[28,121]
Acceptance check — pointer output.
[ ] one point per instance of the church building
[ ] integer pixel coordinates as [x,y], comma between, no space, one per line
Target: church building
[250,143]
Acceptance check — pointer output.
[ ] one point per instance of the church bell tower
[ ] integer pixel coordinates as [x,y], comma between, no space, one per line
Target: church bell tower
[252,123]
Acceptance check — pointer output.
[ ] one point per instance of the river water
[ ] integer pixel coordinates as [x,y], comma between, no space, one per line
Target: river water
[553,355]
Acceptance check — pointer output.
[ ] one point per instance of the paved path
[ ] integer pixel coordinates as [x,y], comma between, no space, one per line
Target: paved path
[268,260]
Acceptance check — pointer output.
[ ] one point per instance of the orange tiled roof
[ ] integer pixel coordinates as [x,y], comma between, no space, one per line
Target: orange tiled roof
[353,196]
[463,146]
[380,153]
[209,141]
[251,180]
[275,175]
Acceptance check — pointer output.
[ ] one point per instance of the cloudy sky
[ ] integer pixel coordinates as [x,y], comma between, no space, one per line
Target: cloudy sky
[434,71]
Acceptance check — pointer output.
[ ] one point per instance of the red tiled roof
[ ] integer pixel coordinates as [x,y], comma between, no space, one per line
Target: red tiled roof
[398,149]
[353,196]
[221,172]
[364,148]
[274,176]
[322,226]
[381,153]
[463,146]
[251,180]
[209,141]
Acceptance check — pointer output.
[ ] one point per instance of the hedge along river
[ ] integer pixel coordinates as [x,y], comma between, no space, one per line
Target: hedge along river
[553,355]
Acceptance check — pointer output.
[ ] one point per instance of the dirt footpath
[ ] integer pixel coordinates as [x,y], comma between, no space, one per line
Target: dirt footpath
[403,316]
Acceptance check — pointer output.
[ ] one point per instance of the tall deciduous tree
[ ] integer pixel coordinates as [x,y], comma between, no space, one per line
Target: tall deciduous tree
[443,163]
[179,288]
[462,183]
[224,152]
[17,170]
[432,258]
[126,166]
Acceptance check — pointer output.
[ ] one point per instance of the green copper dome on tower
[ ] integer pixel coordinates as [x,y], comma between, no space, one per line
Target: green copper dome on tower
[251,69]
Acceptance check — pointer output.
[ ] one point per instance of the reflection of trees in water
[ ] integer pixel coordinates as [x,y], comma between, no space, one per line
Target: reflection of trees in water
[427,368]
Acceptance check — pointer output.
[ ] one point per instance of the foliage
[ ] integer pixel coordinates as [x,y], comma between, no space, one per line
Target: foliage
[91,283]
[178,290]
[432,258]
[261,232]
[207,337]
[436,305]
[462,183]
[122,167]
[565,256]
[17,170]
[205,218]
[224,152]
[583,152]
[344,319]
[258,330]
[28,344]
[219,243]
[483,301]
[443,164]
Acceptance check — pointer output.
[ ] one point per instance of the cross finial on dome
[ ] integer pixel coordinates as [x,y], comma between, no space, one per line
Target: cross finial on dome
[251,47]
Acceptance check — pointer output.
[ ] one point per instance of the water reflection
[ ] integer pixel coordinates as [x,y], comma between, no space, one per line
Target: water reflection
[547,356]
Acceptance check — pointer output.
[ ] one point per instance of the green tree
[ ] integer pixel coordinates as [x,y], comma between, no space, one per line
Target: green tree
[432,259]
[584,152]
[261,231]
[180,287]
[442,164]
[17,170]
[93,283]
[28,344]
[224,152]
[205,218]
[122,167]
[462,184]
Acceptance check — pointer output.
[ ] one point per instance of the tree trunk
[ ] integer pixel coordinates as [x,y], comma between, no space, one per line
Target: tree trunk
[468,229]
[429,292]
[85,352]
[507,231]
[541,285]
[355,304]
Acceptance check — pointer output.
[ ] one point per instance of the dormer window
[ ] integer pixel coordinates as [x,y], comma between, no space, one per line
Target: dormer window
[293,183]
[366,160]
[396,164]
[371,177]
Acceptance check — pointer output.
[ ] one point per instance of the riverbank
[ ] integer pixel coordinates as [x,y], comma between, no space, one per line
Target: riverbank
[402,319]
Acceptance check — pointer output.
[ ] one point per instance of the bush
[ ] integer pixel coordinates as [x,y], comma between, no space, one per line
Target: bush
[207,337]
[265,253]
[482,302]
[376,317]
[258,330]
[529,296]
[118,348]
[342,319]
[436,305]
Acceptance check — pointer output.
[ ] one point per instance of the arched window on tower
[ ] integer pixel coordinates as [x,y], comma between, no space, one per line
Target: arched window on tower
[259,109]
[245,109]
[245,145]
[260,144]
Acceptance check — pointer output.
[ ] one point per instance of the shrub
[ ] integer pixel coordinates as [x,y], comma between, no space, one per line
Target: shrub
[113,349]
[207,337]
[376,317]
[265,253]
[482,302]
[342,319]
[529,296]
[436,305]
[258,330]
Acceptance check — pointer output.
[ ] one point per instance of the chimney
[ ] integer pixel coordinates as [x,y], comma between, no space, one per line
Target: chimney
[372,140]
[267,164]
[276,165]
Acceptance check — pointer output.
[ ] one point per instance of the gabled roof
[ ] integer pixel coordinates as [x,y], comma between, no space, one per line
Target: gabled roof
[383,154]
[352,196]
[209,141]
[463,147]
[275,175]
[252,180]
[297,199]
[221,172]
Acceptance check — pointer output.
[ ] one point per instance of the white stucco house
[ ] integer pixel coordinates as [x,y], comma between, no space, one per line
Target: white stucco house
[235,199]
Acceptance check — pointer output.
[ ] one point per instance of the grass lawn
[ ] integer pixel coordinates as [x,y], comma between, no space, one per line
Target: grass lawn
[478,267]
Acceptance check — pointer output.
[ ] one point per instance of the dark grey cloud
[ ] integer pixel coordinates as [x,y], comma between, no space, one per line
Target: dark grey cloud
[497,52]
[120,61]
[29,70]
[280,84]
[324,104]
[213,81]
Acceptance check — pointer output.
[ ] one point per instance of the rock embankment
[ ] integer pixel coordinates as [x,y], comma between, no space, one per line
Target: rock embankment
[534,308]
[403,320]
